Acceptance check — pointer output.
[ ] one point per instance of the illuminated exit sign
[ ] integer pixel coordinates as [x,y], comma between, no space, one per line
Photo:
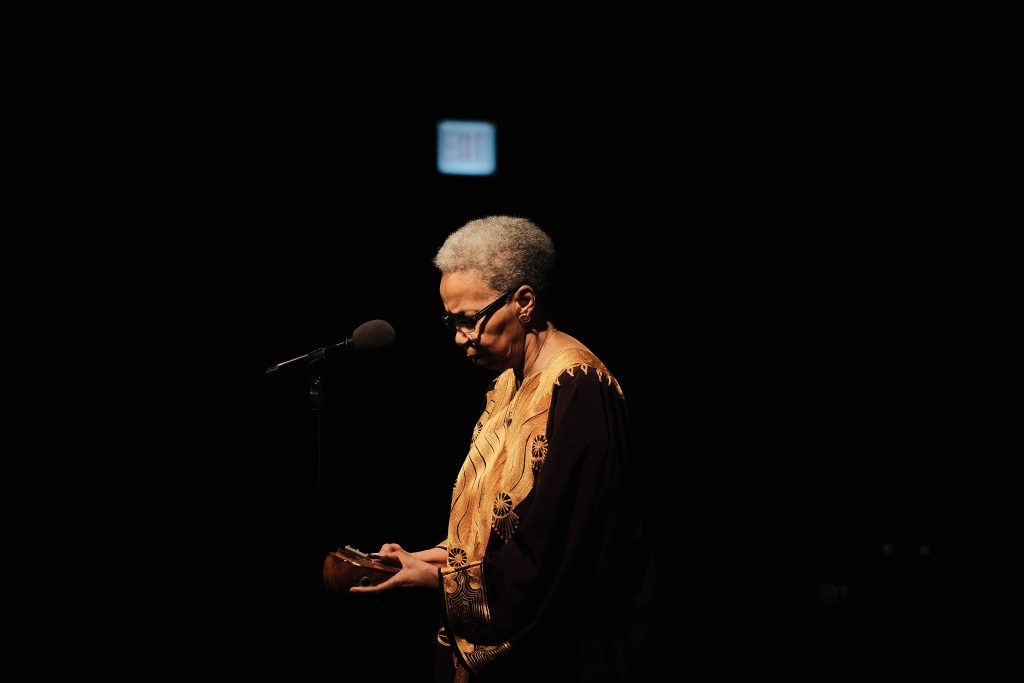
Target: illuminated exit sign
[466,147]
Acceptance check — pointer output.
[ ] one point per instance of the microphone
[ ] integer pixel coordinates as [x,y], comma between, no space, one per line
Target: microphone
[373,334]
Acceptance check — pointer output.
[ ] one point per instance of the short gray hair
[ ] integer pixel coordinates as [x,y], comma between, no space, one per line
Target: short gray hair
[506,251]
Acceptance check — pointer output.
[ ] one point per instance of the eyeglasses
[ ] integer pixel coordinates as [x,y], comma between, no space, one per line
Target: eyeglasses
[457,323]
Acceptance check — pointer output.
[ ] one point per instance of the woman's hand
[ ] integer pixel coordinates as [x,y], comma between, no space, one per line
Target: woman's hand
[414,571]
[435,556]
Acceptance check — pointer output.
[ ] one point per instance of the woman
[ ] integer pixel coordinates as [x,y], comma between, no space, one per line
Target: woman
[544,573]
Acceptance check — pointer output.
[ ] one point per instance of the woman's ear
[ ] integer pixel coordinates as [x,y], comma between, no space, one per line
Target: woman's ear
[526,299]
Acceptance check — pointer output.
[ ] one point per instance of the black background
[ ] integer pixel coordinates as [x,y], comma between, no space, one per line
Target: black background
[784,229]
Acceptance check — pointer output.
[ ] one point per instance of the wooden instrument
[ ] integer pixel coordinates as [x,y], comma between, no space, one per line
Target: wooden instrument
[347,567]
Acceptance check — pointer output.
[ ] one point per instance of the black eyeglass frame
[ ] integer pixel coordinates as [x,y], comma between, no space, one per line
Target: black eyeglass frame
[467,324]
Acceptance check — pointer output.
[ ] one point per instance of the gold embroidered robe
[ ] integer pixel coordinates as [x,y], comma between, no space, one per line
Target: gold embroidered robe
[536,509]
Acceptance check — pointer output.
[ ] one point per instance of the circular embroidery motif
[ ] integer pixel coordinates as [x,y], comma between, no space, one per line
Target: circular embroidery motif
[538,450]
[457,557]
[505,520]
[502,505]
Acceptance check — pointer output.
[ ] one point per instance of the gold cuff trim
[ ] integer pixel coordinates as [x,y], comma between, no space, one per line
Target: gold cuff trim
[468,615]
[480,656]
[465,597]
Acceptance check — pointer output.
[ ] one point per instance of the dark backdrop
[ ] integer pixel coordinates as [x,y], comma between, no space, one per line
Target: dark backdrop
[783,229]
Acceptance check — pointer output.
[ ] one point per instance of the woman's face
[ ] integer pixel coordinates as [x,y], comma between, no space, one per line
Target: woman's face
[496,342]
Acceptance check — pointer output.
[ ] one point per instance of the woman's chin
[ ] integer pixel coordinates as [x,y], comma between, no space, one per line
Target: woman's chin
[480,361]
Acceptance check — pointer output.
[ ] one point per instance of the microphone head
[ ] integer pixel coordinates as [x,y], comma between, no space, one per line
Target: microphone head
[372,334]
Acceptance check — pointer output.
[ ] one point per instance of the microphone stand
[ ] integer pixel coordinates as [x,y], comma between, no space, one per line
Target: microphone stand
[316,401]
[314,378]
[371,334]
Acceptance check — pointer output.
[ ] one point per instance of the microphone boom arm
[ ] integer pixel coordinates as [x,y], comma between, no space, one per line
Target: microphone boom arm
[311,357]
[372,334]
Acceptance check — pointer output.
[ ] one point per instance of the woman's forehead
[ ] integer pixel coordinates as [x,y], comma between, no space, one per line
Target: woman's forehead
[463,283]
[462,290]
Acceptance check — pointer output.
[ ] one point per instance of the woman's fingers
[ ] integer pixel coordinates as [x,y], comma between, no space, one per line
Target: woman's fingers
[391,554]
[413,572]
[370,589]
[393,582]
